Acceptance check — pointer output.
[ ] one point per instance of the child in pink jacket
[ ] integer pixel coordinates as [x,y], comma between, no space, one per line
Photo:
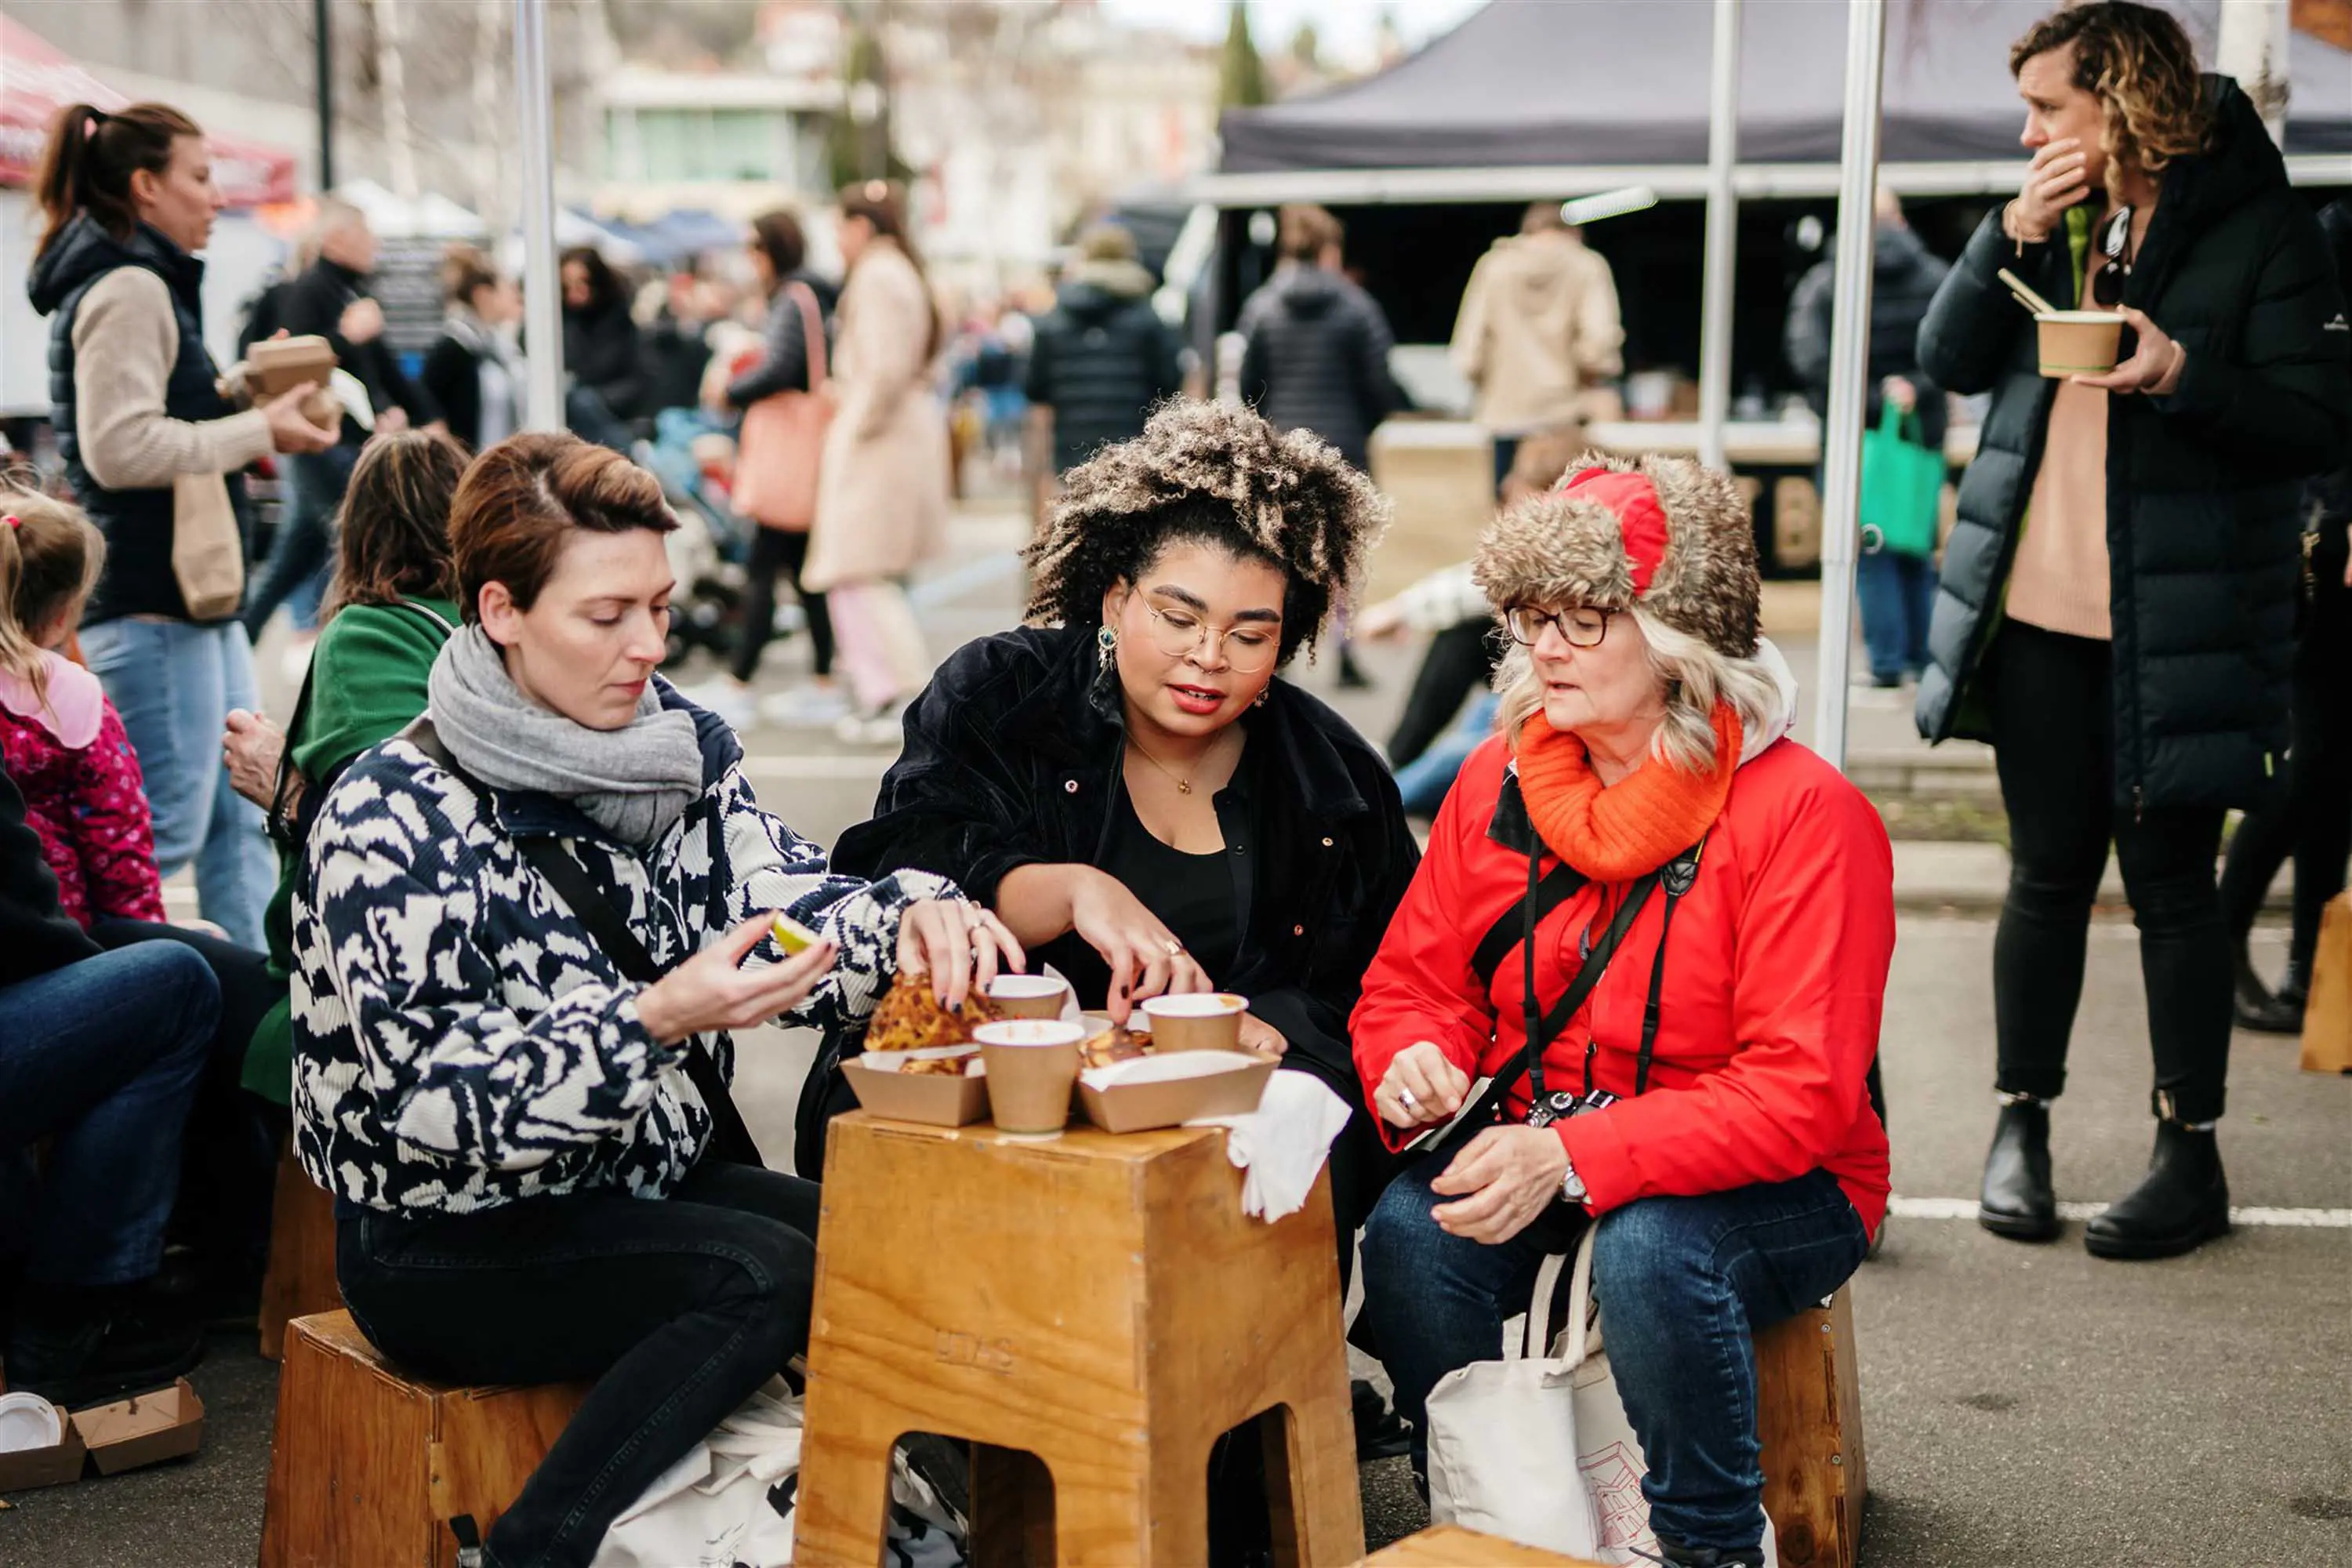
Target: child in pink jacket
[63,743]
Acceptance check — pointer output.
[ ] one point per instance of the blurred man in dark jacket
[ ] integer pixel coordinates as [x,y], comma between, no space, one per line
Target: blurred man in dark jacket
[1103,356]
[1316,346]
[1897,592]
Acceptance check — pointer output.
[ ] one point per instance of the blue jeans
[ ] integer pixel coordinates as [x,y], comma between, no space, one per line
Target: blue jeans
[303,556]
[1682,1283]
[174,682]
[104,1056]
[1425,781]
[1897,593]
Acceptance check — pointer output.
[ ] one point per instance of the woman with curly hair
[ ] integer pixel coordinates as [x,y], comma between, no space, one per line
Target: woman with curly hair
[2118,599]
[1128,781]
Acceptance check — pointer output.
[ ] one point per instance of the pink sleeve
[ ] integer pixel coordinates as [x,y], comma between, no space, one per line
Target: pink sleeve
[112,832]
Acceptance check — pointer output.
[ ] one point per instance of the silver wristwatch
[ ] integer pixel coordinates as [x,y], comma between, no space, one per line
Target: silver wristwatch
[1572,1185]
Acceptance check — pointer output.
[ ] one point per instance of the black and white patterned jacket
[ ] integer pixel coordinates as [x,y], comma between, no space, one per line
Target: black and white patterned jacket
[461,1042]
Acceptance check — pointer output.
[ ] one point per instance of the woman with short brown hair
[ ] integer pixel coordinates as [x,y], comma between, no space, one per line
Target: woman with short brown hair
[520,939]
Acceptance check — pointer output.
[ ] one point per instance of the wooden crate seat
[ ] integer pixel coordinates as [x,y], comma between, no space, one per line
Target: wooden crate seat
[1098,1302]
[368,1466]
[300,1278]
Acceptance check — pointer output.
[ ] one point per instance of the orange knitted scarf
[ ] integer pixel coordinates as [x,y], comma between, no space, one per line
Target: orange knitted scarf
[1632,827]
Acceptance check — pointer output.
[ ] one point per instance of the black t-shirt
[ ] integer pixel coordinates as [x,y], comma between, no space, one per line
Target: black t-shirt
[1192,895]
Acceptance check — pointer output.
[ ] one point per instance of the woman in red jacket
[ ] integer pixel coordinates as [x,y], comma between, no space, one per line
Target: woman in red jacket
[1701,1099]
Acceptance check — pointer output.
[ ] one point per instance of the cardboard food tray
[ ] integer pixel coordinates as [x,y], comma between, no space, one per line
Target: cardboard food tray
[277,365]
[1232,1086]
[145,1429]
[929,1098]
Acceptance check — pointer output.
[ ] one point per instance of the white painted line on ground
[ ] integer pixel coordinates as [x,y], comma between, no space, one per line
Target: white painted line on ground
[1966,1208]
[949,586]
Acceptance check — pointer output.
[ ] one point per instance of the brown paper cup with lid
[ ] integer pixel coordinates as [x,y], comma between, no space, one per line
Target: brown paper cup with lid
[1200,1021]
[2078,342]
[1029,995]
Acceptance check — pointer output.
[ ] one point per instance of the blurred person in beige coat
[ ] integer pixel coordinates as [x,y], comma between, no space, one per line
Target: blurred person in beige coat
[1538,328]
[882,491]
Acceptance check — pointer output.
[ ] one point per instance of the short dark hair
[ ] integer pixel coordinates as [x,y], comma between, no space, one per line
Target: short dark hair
[463,269]
[517,506]
[89,157]
[778,234]
[394,526]
[1208,473]
[1304,231]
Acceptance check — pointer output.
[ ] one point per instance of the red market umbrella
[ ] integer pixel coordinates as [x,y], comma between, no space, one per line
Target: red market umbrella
[36,79]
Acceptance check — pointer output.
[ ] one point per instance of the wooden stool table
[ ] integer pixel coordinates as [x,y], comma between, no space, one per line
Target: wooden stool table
[368,1467]
[1809,1423]
[300,1278]
[1451,1546]
[1099,1302]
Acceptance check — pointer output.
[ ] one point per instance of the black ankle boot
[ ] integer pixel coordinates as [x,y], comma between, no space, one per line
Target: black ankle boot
[2182,1203]
[77,1346]
[1680,1556]
[2017,1202]
[2279,1013]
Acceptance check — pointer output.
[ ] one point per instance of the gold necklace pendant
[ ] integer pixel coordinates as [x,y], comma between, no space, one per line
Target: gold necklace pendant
[1183,786]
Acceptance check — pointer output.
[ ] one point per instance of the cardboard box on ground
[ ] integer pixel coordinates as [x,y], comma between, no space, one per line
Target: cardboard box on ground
[126,1435]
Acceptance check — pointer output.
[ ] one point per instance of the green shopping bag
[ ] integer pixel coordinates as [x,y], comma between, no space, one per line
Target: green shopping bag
[1902,485]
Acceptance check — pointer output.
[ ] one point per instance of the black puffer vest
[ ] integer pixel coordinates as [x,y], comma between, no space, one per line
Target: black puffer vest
[137,523]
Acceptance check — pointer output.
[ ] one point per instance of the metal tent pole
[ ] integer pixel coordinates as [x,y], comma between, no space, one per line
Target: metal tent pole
[1722,234]
[322,32]
[542,289]
[1865,49]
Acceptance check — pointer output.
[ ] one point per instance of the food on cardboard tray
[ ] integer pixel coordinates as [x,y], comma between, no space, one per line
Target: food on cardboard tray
[909,1018]
[942,1066]
[1114,1044]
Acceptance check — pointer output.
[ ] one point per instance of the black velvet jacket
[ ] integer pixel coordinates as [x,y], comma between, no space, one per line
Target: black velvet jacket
[1012,758]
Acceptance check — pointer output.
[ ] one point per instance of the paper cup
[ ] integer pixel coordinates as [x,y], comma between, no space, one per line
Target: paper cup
[1029,995]
[1204,1021]
[2078,342]
[1032,1064]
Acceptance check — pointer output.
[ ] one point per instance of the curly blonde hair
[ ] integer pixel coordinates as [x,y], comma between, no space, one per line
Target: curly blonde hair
[1215,474]
[2138,62]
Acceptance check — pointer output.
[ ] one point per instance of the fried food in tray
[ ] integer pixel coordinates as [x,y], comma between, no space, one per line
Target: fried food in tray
[941,1067]
[909,1018]
[1113,1044]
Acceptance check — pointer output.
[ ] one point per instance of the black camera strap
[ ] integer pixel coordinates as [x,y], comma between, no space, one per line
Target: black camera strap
[730,1140]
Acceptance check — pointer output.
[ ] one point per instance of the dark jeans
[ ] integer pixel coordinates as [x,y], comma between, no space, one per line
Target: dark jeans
[678,1309]
[1897,593]
[1684,1285]
[305,545]
[775,550]
[2053,733]
[103,1058]
[2312,820]
[229,1170]
[1461,660]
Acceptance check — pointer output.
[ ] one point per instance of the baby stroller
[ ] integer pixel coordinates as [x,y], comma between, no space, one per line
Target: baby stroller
[707,550]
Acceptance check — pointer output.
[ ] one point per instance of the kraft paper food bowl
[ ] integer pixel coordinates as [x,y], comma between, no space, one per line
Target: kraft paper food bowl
[1030,995]
[1203,1021]
[935,1100]
[1170,1091]
[2078,342]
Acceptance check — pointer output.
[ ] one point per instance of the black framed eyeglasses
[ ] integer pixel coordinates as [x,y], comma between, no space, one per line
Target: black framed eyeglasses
[2114,242]
[1582,626]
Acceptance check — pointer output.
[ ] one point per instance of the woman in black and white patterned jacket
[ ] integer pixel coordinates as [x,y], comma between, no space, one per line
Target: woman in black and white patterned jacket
[489,1096]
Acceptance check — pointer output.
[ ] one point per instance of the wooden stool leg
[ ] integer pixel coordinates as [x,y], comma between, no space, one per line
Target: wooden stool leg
[844,1501]
[1108,1504]
[1312,1489]
[1011,1508]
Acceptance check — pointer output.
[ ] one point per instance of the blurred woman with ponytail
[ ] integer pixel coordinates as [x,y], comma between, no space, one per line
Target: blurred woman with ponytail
[142,420]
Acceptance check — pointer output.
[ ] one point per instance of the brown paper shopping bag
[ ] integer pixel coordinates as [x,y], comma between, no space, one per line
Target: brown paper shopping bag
[207,547]
[2327,1017]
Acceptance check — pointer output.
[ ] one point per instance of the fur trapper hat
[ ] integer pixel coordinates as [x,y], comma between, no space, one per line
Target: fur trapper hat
[1664,532]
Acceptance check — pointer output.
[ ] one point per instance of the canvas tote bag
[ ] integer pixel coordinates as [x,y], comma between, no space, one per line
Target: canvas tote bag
[1535,1448]
[777,450]
[207,547]
[1902,485]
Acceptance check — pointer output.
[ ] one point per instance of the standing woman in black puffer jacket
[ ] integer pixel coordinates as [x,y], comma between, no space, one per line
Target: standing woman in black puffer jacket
[2116,613]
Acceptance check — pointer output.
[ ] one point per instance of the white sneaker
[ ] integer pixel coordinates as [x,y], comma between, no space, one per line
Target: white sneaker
[805,707]
[731,702]
[884,726]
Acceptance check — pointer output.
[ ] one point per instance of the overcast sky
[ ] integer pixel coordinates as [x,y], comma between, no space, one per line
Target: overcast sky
[1344,27]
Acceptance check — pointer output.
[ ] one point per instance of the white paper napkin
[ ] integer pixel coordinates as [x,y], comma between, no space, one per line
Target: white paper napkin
[1282,1144]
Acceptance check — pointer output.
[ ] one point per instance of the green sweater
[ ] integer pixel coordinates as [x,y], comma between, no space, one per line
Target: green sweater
[367,681]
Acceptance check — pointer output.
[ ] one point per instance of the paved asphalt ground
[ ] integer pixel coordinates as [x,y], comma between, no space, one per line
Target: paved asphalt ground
[2023,1405]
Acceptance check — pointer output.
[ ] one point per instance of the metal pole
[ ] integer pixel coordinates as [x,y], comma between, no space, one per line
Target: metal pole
[1722,234]
[542,289]
[324,70]
[1865,49]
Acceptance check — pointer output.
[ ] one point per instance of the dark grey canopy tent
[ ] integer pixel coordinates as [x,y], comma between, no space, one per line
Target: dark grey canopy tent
[1620,87]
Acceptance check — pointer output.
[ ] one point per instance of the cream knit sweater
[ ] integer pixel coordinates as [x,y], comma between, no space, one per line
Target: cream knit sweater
[126,339]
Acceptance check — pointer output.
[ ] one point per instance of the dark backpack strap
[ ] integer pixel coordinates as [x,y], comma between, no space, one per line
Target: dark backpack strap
[730,1140]
[1559,885]
[282,827]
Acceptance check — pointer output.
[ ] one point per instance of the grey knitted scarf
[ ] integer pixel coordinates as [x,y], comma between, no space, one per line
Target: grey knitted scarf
[634,782]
